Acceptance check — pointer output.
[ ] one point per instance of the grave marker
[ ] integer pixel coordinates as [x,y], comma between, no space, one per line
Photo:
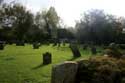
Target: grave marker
[47,58]
[75,50]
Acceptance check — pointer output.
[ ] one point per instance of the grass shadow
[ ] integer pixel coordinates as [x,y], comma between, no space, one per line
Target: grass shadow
[9,58]
[38,66]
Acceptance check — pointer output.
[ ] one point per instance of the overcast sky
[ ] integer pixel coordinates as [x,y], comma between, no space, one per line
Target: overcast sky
[71,10]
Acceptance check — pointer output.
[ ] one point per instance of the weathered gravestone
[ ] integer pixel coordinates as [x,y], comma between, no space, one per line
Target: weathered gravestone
[75,50]
[47,58]
[64,73]
[93,50]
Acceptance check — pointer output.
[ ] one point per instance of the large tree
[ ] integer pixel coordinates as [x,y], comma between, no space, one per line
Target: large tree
[98,27]
[16,19]
[48,20]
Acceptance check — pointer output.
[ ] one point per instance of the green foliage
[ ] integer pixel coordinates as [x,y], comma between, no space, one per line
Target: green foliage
[48,21]
[15,20]
[100,28]
[113,51]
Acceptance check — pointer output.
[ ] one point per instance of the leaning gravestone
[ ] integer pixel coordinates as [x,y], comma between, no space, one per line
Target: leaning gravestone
[75,50]
[47,58]
[93,50]
[64,73]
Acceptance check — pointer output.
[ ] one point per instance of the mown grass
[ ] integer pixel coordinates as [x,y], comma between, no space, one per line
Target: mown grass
[22,64]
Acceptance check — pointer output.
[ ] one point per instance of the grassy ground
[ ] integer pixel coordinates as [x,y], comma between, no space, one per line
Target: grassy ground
[21,64]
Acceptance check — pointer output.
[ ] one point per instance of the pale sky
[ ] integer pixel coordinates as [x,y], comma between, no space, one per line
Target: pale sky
[71,10]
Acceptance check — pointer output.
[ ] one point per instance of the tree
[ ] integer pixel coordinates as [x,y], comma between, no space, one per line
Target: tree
[16,19]
[48,21]
[52,22]
[98,27]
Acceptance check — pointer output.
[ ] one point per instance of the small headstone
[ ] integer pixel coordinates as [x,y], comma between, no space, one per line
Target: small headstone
[20,43]
[55,42]
[75,50]
[64,73]
[63,42]
[36,45]
[93,50]
[47,58]
[59,44]
[1,46]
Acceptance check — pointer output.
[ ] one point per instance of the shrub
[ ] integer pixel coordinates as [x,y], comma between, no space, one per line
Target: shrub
[113,53]
[101,70]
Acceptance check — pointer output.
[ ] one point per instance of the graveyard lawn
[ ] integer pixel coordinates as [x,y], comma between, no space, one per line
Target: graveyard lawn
[23,64]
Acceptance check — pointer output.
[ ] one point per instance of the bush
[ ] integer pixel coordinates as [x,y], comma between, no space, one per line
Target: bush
[113,53]
[101,70]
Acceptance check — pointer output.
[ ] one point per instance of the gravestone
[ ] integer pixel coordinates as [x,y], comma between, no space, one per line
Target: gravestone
[59,44]
[93,50]
[36,45]
[1,45]
[47,58]
[64,73]
[75,50]
[64,43]
[20,43]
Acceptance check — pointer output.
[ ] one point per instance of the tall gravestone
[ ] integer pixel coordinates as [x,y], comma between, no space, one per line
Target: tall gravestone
[47,58]
[64,73]
[75,50]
